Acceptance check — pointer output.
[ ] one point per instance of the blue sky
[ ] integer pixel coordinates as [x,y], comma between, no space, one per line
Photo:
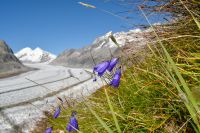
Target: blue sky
[56,25]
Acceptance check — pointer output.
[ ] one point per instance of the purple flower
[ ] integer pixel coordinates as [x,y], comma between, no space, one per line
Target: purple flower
[101,68]
[57,113]
[119,72]
[73,123]
[113,63]
[116,78]
[48,130]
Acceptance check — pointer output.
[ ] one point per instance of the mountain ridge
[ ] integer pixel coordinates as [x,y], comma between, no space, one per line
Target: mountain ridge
[102,48]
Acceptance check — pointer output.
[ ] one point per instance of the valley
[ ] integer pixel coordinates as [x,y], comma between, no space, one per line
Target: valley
[24,97]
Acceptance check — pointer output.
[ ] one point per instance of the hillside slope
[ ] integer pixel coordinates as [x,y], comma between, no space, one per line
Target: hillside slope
[9,64]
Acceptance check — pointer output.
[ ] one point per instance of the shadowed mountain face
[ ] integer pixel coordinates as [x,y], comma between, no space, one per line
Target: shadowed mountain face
[103,48]
[6,53]
[9,64]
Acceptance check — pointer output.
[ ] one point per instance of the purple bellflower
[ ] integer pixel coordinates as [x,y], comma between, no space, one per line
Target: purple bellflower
[57,113]
[48,130]
[112,64]
[101,68]
[73,123]
[116,78]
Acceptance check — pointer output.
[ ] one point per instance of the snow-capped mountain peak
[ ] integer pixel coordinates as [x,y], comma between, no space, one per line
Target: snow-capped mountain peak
[122,38]
[108,34]
[38,49]
[34,56]
[25,50]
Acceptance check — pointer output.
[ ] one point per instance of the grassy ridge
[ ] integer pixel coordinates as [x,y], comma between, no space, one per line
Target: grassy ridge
[147,99]
[152,97]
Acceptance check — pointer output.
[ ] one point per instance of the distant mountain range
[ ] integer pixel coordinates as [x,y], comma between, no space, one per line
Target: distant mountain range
[9,64]
[102,48]
[37,55]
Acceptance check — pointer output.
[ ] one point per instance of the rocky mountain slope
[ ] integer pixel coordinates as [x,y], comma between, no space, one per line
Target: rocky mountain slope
[34,56]
[103,48]
[9,64]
